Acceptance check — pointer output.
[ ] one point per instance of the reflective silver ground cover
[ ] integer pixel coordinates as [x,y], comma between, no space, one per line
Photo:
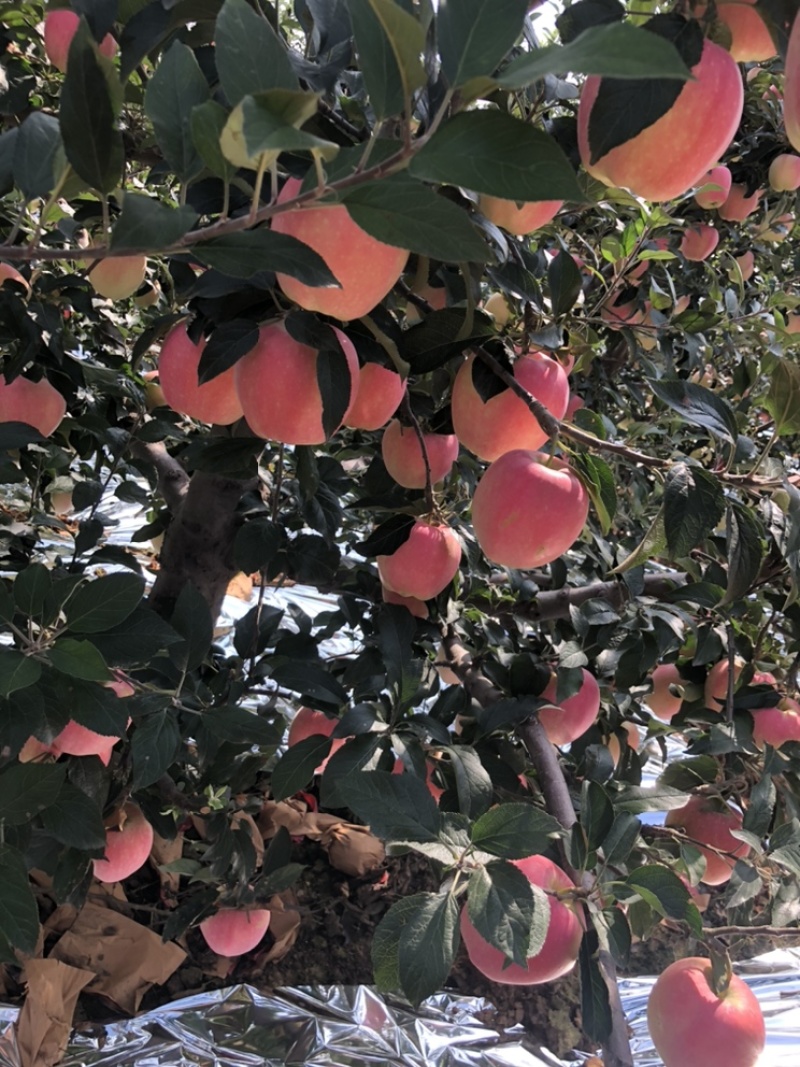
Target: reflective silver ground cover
[351,1026]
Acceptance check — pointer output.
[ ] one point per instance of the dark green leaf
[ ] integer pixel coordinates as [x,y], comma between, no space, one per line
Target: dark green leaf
[493,152]
[564,280]
[761,807]
[388,537]
[698,406]
[622,52]
[206,123]
[31,588]
[26,789]
[587,13]
[745,550]
[514,831]
[249,55]
[405,213]
[474,35]
[271,124]
[783,399]
[638,799]
[103,603]
[298,765]
[74,819]
[36,155]
[255,545]
[358,754]
[78,659]
[596,814]
[242,255]
[598,478]
[440,336]
[397,807]
[242,727]
[662,889]
[396,629]
[92,141]
[154,747]
[17,671]
[310,680]
[473,784]
[176,87]
[147,224]
[136,640]
[95,706]
[693,505]
[142,33]
[335,386]
[596,1015]
[19,912]
[225,347]
[386,944]
[428,944]
[192,620]
[390,43]
[621,838]
[508,911]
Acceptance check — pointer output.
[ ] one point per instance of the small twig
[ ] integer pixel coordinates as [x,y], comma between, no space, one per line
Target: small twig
[412,418]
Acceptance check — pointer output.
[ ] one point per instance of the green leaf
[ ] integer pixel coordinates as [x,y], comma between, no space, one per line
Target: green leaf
[104,602]
[206,123]
[136,640]
[176,87]
[405,213]
[74,819]
[192,620]
[390,43]
[493,152]
[783,399]
[584,14]
[147,224]
[271,124]
[662,889]
[310,680]
[242,255]
[26,789]
[693,505]
[429,940]
[514,831]
[78,659]
[596,1018]
[141,34]
[36,153]
[474,35]
[154,746]
[620,839]
[473,784]
[638,799]
[397,807]
[617,50]
[255,545]
[652,544]
[97,707]
[745,551]
[31,588]
[225,347]
[92,141]
[249,56]
[385,948]
[598,480]
[508,911]
[396,629]
[19,912]
[335,387]
[698,406]
[565,281]
[241,726]
[298,765]
[440,336]
[17,671]
[357,755]
[596,815]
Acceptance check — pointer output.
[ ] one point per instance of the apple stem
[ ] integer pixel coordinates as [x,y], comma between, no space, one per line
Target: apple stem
[406,405]
[731,674]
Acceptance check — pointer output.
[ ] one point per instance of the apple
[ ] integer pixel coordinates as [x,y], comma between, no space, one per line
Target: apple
[423,565]
[37,404]
[619,313]
[234,931]
[716,687]
[750,39]
[127,846]
[718,183]
[118,277]
[504,422]
[310,723]
[674,153]
[784,172]
[498,307]
[633,738]
[776,725]
[366,269]
[694,1026]
[562,941]
[738,205]
[662,702]
[11,274]
[519,219]
[709,821]
[699,241]
[567,721]
[402,455]
[416,606]
[747,264]
[527,509]
[575,404]
[59,29]
[380,391]
[278,388]
[215,401]
[791,87]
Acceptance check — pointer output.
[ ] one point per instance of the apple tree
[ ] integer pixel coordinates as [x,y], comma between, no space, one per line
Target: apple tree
[482,329]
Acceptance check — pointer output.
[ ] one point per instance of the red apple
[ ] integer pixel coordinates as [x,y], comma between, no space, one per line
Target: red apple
[633,738]
[776,725]
[693,1026]
[505,422]
[663,704]
[718,180]
[118,277]
[234,931]
[423,565]
[215,401]
[519,219]
[747,264]
[278,388]
[366,269]
[784,173]
[708,821]
[562,942]
[716,687]
[750,39]
[11,274]
[527,509]
[738,205]
[310,723]
[402,455]
[699,241]
[59,28]
[37,404]
[698,128]
[416,606]
[127,846]
[380,391]
[567,721]
[791,87]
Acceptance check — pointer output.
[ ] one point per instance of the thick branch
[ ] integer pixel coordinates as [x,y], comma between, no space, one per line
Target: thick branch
[556,603]
[173,481]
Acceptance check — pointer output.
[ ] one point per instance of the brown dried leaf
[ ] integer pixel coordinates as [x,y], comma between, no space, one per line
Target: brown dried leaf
[353,849]
[45,1022]
[284,925]
[241,820]
[162,853]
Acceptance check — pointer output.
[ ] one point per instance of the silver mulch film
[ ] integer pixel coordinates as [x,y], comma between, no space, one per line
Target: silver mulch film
[350,1026]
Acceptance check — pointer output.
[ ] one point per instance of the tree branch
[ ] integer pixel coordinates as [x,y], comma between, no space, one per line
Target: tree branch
[173,481]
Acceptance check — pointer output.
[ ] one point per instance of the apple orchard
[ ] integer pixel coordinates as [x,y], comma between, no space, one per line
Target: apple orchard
[486,333]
